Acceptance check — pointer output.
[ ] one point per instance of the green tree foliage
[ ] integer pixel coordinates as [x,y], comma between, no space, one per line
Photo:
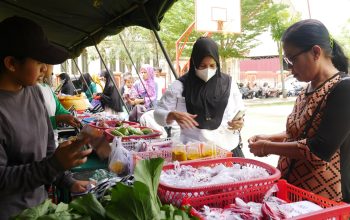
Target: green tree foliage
[279,22]
[344,38]
[175,22]
[256,18]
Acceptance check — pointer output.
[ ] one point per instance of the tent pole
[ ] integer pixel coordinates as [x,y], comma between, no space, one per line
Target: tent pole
[112,77]
[159,41]
[137,72]
[81,74]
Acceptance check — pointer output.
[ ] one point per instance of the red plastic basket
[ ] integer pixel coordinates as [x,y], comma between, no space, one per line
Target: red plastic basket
[113,123]
[333,210]
[174,195]
[153,135]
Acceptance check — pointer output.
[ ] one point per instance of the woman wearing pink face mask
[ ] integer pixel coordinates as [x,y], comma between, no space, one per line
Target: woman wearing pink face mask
[204,101]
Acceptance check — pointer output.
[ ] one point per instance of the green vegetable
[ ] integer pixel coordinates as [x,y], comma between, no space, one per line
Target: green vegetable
[117,133]
[135,131]
[146,131]
[131,203]
[138,202]
[36,212]
[88,205]
[124,131]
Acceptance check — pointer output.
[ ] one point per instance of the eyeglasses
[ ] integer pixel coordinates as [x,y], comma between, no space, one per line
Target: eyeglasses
[291,60]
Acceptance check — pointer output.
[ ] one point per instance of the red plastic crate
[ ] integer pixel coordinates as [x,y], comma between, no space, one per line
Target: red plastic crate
[333,210]
[112,123]
[155,134]
[174,195]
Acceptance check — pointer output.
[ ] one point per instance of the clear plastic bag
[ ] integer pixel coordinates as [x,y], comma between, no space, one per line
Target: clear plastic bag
[119,158]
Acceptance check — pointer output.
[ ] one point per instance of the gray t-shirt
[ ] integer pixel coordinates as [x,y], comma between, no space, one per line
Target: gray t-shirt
[26,148]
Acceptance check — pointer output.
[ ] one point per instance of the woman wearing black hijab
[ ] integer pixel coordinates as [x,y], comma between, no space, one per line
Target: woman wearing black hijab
[67,85]
[204,101]
[110,98]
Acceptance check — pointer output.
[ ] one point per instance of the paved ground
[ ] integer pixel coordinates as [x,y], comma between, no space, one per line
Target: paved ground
[265,116]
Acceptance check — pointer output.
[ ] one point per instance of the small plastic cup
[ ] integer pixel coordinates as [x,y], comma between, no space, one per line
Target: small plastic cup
[208,150]
[193,151]
[179,152]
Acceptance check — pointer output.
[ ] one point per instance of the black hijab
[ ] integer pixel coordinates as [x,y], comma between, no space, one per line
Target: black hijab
[208,100]
[88,80]
[67,86]
[110,96]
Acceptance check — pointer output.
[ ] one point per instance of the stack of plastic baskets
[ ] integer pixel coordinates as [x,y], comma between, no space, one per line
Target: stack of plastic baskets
[174,195]
[333,210]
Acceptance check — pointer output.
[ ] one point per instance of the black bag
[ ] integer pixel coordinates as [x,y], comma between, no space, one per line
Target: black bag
[237,151]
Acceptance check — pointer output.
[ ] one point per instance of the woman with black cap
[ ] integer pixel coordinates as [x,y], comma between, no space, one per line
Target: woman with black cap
[204,101]
[28,156]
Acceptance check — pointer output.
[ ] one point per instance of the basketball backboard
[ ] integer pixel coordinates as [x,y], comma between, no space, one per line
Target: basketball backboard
[223,16]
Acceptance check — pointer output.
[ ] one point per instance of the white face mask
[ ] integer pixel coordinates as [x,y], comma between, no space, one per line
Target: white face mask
[205,74]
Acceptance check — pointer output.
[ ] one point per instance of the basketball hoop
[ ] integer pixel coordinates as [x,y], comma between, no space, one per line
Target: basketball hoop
[222,16]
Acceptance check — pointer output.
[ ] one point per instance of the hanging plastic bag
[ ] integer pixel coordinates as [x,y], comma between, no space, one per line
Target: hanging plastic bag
[119,161]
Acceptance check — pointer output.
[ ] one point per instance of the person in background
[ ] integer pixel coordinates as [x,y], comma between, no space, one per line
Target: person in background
[126,87]
[89,89]
[99,84]
[67,84]
[110,98]
[204,101]
[144,90]
[28,156]
[57,113]
[128,82]
[315,148]
[160,82]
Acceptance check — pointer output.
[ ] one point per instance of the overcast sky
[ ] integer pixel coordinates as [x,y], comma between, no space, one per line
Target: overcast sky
[333,13]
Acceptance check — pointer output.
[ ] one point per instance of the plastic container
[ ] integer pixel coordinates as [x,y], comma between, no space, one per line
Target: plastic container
[113,124]
[168,155]
[193,151]
[153,135]
[178,152]
[333,210]
[208,150]
[174,195]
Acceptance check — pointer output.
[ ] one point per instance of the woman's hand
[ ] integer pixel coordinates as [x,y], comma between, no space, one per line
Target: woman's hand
[236,124]
[80,186]
[68,119]
[258,137]
[259,148]
[184,119]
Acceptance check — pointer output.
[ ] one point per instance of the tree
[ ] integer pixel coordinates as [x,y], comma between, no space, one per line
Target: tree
[344,38]
[280,21]
[175,22]
[138,41]
[255,19]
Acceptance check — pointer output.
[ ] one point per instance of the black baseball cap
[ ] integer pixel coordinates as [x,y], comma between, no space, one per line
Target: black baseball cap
[21,37]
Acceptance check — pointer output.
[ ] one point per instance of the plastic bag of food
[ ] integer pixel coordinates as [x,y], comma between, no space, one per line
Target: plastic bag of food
[97,141]
[119,159]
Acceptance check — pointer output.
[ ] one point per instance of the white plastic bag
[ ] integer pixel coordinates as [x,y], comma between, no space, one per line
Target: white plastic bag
[119,158]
